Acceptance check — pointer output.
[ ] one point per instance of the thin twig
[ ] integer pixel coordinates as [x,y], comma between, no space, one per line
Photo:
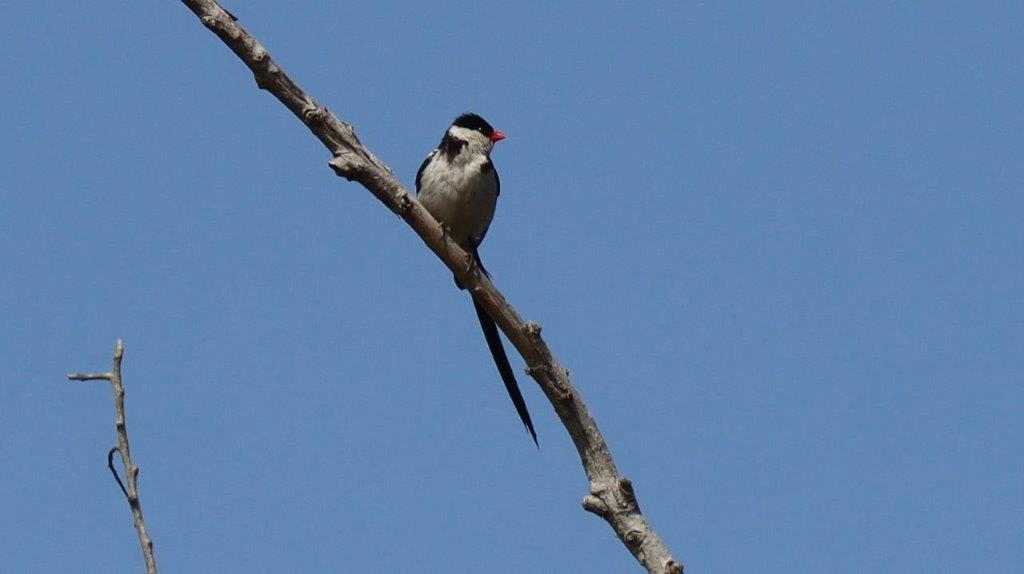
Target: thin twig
[611,495]
[131,472]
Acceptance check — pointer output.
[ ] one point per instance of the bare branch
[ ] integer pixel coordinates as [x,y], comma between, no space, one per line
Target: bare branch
[131,472]
[90,376]
[611,496]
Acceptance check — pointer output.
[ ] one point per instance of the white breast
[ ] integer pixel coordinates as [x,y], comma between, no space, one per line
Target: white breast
[460,195]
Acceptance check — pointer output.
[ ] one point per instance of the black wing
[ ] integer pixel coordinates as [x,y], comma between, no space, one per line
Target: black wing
[423,166]
[489,167]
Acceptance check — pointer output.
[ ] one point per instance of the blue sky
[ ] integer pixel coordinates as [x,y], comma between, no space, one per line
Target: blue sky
[778,247]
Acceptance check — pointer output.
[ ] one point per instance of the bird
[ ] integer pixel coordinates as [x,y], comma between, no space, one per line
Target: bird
[458,184]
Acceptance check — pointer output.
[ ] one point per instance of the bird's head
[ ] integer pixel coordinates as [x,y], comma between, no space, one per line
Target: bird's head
[476,131]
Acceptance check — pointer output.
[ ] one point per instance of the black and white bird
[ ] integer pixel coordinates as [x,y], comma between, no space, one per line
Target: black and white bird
[459,186]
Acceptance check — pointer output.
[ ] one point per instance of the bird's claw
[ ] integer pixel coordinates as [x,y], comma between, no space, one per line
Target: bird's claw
[445,230]
[446,233]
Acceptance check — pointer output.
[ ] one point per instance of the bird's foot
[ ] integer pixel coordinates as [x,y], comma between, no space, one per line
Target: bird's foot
[446,233]
[470,265]
[445,230]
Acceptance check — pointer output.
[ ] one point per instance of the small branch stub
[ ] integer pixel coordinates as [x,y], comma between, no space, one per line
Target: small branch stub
[533,329]
[90,376]
[595,505]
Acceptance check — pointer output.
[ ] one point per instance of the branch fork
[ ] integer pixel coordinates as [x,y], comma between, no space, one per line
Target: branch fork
[131,472]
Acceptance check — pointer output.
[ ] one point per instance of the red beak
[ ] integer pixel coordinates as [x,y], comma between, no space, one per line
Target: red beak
[497,136]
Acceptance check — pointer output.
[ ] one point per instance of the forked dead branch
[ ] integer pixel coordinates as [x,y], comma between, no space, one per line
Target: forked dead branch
[130,486]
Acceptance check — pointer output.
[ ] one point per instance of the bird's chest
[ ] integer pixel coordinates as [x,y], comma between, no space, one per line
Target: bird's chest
[462,196]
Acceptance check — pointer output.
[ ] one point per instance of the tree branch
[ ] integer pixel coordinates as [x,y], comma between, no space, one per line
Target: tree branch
[131,472]
[611,495]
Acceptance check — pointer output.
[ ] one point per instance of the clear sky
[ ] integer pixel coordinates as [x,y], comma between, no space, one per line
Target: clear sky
[779,248]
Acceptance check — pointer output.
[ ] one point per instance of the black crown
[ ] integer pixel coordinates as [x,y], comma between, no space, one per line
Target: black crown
[471,121]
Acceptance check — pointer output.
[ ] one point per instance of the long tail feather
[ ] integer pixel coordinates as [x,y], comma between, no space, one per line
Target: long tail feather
[501,360]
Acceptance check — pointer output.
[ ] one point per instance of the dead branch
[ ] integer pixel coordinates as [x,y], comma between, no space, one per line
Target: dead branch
[131,472]
[611,495]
